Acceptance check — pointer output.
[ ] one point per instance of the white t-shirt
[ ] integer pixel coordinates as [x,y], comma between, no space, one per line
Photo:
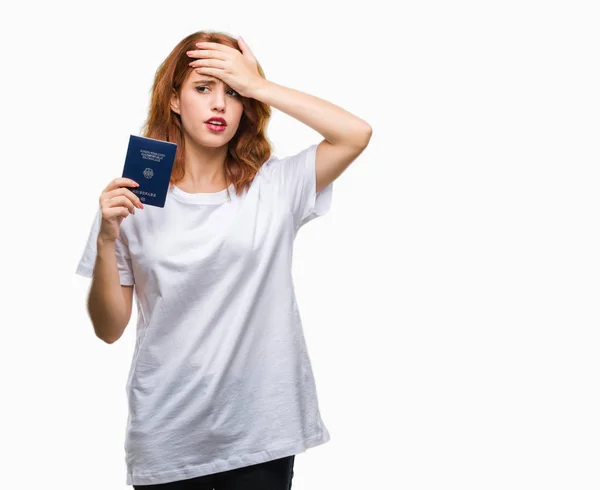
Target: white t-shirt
[220,376]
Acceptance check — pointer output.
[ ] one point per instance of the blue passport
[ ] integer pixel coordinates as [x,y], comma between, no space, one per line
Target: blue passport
[150,162]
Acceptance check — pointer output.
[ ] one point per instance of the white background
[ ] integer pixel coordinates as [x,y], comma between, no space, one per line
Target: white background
[450,296]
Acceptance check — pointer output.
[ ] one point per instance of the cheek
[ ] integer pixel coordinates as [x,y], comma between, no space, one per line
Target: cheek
[239,116]
[187,109]
[191,111]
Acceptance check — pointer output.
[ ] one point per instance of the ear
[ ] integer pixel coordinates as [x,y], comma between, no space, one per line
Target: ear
[175,102]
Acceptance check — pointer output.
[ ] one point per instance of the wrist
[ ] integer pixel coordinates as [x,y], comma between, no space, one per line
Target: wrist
[258,88]
[104,242]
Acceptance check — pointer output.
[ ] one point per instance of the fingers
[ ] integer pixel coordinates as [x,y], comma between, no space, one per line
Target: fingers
[245,48]
[113,212]
[114,195]
[213,46]
[120,182]
[111,201]
[207,53]
[214,63]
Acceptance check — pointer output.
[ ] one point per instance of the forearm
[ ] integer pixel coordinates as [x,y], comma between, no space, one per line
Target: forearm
[106,304]
[335,124]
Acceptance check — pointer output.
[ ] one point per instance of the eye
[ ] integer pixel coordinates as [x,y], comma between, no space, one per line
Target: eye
[230,90]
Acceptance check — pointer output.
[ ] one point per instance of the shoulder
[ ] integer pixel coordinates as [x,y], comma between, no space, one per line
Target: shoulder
[266,169]
[292,164]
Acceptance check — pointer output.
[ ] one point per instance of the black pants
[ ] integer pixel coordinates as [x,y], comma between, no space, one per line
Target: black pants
[271,475]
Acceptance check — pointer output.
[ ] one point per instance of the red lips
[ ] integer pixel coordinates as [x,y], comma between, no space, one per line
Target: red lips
[217,119]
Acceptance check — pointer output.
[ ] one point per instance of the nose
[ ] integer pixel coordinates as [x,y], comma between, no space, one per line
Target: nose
[219,98]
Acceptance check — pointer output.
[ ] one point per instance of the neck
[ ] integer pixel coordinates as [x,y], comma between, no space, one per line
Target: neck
[204,168]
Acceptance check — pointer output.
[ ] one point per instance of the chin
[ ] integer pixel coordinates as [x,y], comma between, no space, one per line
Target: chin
[213,142]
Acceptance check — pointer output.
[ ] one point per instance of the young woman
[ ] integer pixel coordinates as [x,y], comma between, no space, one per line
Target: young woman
[221,392]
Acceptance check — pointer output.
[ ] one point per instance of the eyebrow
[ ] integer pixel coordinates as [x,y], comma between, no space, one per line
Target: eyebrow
[208,82]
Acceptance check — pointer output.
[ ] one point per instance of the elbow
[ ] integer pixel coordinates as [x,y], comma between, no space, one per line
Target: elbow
[107,340]
[367,134]
[108,335]
[362,137]
[106,327]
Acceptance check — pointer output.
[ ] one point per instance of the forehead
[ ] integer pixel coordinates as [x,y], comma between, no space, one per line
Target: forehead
[205,79]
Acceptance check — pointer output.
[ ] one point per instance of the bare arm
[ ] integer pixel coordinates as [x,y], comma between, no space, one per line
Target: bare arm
[109,303]
[346,135]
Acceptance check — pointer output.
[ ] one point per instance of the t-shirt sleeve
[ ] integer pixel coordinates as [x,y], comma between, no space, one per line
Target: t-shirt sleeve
[296,179]
[85,267]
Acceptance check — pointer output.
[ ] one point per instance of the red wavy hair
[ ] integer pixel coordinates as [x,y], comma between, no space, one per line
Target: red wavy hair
[247,150]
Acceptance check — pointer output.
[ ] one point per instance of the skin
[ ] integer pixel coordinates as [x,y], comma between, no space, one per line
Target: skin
[345,135]
[201,97]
